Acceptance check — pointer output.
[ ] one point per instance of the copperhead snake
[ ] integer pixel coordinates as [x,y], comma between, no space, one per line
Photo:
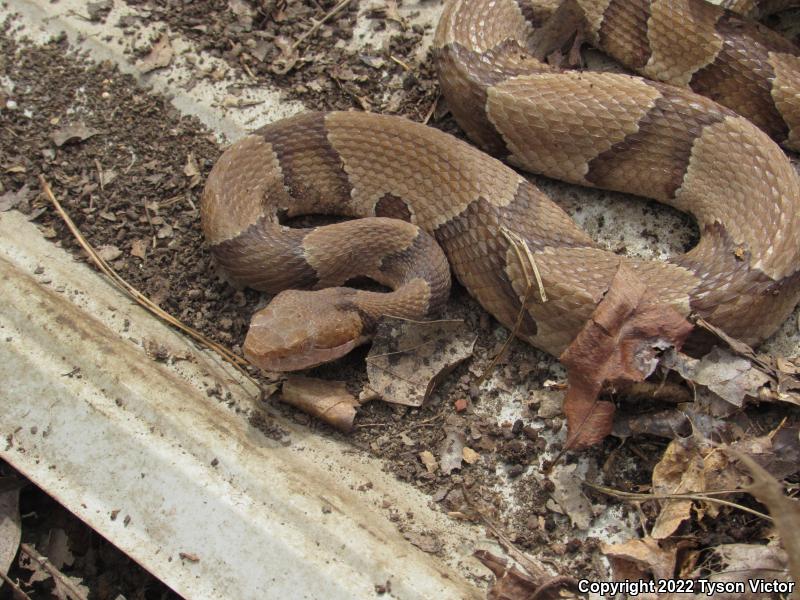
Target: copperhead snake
[429,203]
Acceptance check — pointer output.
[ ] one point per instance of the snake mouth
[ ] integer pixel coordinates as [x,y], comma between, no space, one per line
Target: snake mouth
[296,360]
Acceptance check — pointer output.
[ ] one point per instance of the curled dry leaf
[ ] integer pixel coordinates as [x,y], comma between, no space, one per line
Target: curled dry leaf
[408,359]
[327,400]
[620,342]
[77,132]
[160,56]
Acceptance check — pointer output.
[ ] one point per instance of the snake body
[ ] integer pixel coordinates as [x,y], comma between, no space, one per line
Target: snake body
[427,200]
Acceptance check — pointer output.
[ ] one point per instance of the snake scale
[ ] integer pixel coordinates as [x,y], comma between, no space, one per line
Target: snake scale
[428,202]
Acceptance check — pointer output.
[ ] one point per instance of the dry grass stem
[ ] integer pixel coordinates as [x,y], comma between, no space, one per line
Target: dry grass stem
[237,361]
[525,256]
[317,24]
[62,582]
[700,496]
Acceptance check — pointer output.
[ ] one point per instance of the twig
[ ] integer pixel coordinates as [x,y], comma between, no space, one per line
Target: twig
[543,579]
[524,255]
[701,497]
[238,362]
[16,591]
[431,110]
[315,27]
[60,579]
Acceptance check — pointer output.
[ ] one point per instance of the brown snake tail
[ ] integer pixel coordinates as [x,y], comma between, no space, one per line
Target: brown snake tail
[430,200]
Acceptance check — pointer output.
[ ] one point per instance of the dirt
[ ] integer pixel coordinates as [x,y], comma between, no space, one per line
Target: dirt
[129,169]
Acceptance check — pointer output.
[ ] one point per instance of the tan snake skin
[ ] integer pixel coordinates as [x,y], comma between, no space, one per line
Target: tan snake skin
[605,130]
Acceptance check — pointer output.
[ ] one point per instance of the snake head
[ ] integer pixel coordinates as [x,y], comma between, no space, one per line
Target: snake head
[302,329]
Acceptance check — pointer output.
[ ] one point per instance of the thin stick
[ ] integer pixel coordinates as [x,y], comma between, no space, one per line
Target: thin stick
[58,576]
[702,497]
[524,255]
[16,591]
[315,27]
[238,362]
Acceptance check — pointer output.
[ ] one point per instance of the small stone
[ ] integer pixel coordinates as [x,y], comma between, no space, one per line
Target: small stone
[461,405]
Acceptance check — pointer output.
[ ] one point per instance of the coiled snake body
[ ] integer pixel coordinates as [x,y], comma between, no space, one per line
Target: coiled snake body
[413,184]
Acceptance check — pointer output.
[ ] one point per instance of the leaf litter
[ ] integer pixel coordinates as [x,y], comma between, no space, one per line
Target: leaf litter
[497,443]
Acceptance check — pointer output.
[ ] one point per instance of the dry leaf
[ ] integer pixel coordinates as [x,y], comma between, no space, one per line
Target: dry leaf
[160,56]
[469,455]
[12,199]
[451,451]
[729,376]
[568,493]
[10,528]
[429,460]
[408,359]
[327,400]
[680,471]
[77,132]
[288,57]
[743,563]
[784,510]
[640,559]
[139,248]
[109,252]
[621,342]
[510,582]
[192,170]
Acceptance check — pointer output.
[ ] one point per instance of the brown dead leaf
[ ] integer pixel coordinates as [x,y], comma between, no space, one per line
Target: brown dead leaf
[451,450]
[326,400]
[620,342]
[77,132]
[680,471]
[469,455]
[109,252]
[641,559]
[12,199]
[160,56]
[512,583]
[287,60]
[192,170]
[568,493]
[408,359]
[743,563]
[139,248]
[784,510]
[10,527]
[429,460]
[729,376]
